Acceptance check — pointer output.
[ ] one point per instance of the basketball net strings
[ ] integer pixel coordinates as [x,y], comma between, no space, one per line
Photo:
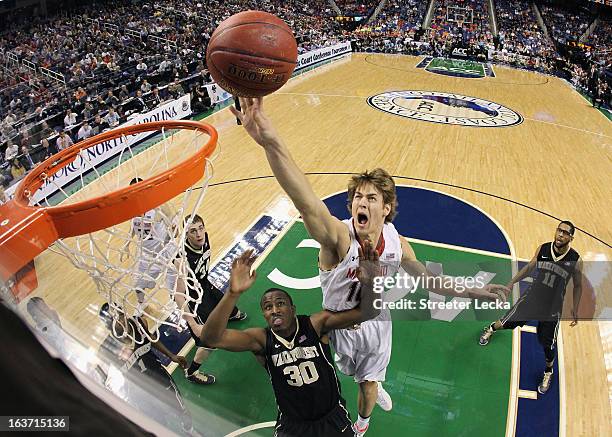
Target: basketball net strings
[99,253]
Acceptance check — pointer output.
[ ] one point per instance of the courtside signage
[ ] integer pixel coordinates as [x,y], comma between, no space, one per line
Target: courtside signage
[96,155]
[445,108]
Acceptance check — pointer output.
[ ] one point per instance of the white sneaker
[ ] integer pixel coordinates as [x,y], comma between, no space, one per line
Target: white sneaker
[359,432]
[545,384]
[383,400]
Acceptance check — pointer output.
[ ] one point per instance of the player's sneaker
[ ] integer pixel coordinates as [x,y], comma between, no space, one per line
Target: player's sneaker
[359,432]
[198,377]
[383,399]
[240,315]
[545,384]
[486,335]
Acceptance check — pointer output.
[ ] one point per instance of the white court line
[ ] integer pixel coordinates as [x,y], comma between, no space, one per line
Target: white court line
[561,365]
[514,376]
[459,248]
[568,127]
[251,428]
[529,328]
[528,394]
[321,95]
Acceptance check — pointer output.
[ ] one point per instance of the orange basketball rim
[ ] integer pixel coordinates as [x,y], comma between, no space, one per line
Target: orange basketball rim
[27,230]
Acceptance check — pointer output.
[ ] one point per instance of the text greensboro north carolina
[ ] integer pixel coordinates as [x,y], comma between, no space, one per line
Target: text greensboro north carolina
[412,283]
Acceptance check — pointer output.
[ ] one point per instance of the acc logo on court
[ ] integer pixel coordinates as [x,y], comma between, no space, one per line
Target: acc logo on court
[446,108]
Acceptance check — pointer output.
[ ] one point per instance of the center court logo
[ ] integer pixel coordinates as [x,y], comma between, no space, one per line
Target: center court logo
[446,108]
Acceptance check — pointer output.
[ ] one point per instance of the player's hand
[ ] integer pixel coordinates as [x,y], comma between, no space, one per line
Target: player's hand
[574,322]
[255,121]
[242,278]
[490,292]
[180,360]
[369,265]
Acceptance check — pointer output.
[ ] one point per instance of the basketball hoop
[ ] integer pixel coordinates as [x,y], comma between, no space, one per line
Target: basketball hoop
[92,227]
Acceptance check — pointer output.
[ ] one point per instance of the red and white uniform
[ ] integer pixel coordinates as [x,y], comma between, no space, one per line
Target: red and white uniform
[364,352]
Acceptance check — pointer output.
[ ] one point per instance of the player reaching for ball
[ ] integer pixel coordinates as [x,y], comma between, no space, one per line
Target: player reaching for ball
[364,351]
[295,348]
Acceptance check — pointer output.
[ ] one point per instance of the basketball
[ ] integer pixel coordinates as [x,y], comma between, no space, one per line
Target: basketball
[251,54]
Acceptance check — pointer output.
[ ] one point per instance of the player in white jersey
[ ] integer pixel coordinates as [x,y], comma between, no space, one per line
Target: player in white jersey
[364,351]
[157,248]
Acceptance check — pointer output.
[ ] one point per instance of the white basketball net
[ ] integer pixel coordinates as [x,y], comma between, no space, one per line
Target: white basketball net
[133,263]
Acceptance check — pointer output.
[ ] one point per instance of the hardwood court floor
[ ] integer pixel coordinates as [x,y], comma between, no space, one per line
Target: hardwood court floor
[557,161]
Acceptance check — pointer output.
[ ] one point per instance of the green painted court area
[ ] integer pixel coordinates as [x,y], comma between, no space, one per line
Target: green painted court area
[442,383]
[456,67]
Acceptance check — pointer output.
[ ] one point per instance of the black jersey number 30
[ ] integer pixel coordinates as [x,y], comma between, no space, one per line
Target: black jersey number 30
[304,373]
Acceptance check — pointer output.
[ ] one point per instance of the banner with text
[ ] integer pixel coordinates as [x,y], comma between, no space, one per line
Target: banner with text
[323,54]
[217,94]
[96,155]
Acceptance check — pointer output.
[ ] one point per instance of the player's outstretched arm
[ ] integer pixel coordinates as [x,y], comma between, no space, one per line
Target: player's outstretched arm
[449,286]
[179,359]
[525,271]
[321,225]
[369,269]
[214,332]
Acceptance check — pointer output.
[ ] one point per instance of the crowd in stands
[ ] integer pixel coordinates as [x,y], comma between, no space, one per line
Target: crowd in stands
[115,59]
[357,8]
[519,31]
[120,57]
[397,17]
[565,23]
[602,35]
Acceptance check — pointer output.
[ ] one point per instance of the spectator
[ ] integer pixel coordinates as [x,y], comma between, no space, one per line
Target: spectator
[85,131]
[80,94]
[99,125]
[112,118]
[10,120]
[39,114]
[48,149]
[70,119]
[145,87]
[17,169]
[165,65]
[176,89]
[11,151]
[88,111]
[25,156]
[124,94]
[139,103]
[100,104]
[155,99]
[200,101]
[63,141]
[111,100]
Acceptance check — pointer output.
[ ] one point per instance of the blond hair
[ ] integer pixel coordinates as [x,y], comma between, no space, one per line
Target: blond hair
[382,181]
